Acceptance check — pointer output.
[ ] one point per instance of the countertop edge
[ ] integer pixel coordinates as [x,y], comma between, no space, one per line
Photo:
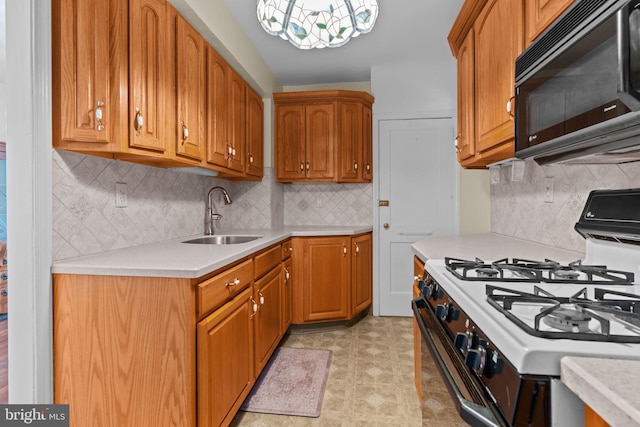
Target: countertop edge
[587,378]
[138,260]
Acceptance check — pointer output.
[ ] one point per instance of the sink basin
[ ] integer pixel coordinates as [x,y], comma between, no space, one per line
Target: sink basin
[222,240]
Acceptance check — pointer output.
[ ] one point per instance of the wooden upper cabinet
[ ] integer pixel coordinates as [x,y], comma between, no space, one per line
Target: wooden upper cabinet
[486,38]
[191,91]
[236,122]
[466,99]
[540,13]
[290,142]
[367,144]
[323,136]
[320,141]
[82,110]
[217,100]
[254,134]
[350,142]
[149,65]
[495,71]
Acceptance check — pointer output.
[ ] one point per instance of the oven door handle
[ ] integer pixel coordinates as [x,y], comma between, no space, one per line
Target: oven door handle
[474,414]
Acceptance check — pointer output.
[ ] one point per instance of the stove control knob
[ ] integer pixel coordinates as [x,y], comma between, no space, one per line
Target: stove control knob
[461,342]
[442,310]
[476,359]
[494,364]
[436,292]
[452,314]
[471,342]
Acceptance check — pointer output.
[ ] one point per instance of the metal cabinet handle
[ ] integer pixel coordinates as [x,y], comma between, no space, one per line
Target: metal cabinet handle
[287,275]
[368,167]
[138,121]
[301,166]
[254,306]
[99,123]
[355,166]
[344,250]
[386,225]
[235,283]
[261,298]
[185,132]
[250,159]
[307,166]
[357,248]
[510,106]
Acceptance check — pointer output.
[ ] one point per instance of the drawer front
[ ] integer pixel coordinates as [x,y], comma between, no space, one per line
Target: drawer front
[267,260]
[219,289]
[286,250]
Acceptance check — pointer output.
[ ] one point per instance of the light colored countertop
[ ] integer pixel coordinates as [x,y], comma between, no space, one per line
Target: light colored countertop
[608,386]
[172,258]
[488,247]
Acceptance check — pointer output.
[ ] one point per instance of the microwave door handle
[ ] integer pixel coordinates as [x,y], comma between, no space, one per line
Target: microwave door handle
[627,93]
[474,414]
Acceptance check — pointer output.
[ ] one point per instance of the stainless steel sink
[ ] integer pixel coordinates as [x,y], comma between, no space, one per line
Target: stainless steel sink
[222,240]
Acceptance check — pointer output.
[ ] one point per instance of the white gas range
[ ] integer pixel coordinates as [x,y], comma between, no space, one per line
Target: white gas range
[497,329]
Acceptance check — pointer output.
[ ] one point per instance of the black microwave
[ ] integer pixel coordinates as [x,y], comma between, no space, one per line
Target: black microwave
[578,87]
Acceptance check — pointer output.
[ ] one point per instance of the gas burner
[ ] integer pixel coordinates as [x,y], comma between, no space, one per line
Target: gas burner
[547,264]
[567,320]
[547,271]
[487,272]
[611,316]
[565,274]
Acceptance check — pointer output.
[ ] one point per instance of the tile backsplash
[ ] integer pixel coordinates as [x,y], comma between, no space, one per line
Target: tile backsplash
[164,204]
[518,208]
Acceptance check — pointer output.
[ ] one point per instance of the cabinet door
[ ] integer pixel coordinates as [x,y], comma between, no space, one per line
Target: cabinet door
[367,145]
[255,134]
[540,13]
[268,320]
[326,281]
[466,99]
[361,273]
[495,71]
[286,294]
[350,142]
[149,64]
[217,104]
[191,94]
[80,32]
[320,141]
[236,121]
[290,142]
[225,377]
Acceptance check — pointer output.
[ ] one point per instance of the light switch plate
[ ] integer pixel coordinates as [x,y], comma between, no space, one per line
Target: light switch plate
[494,175]
[548,190]
[121,195]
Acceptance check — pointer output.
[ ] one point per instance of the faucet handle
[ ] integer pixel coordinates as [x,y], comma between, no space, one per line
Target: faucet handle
[216,216]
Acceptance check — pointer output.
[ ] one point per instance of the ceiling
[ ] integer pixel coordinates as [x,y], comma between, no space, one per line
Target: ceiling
[406,31]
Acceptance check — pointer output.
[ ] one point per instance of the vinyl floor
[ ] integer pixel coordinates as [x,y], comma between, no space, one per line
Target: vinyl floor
[370,380]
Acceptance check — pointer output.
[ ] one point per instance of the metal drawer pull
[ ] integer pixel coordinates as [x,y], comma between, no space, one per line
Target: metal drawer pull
[235,283]
[99,124]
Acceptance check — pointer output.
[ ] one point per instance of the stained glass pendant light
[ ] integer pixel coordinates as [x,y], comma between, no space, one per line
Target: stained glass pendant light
[309,24]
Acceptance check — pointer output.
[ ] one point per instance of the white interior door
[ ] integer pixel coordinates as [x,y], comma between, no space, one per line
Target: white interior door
[418,177]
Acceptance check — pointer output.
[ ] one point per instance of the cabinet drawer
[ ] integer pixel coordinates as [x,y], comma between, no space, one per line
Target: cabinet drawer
[267,260]
[219,289]
[286,250]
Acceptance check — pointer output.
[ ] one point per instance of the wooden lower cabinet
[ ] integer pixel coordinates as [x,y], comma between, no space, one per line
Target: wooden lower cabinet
[268,295]
[592,419]
[361,272]
[286,293]
[124,350]
[330,282]
[418,272]
[225,377]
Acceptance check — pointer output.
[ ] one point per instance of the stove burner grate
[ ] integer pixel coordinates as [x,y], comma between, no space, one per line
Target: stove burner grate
[547,271]
[624,308]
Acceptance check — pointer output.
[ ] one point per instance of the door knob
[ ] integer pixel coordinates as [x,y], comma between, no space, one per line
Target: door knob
[385,225]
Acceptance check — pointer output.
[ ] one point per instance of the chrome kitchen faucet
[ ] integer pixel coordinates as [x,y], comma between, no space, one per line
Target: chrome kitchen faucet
[212,216]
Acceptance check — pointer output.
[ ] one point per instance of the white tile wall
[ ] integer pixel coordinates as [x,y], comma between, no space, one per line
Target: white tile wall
[518,208]
[328,204]
[164,204]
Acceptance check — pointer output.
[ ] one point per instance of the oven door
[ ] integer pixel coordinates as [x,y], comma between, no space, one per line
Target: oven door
[467,392]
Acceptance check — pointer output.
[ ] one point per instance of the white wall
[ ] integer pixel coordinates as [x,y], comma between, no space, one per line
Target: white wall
[427,88]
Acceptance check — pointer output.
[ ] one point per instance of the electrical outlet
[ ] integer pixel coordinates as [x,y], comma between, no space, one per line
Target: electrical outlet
[121,195]
[548,190]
